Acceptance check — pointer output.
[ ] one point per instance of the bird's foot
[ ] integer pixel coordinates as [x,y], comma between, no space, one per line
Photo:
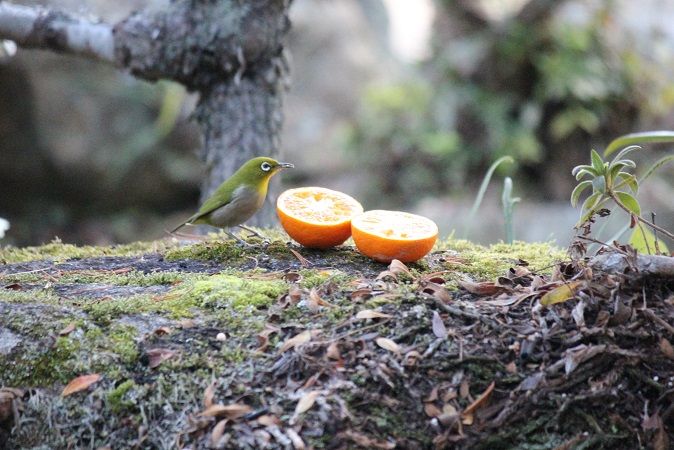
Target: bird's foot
[252,232]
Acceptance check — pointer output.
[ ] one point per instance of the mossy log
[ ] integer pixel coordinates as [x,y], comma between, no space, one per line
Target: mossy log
[211,345]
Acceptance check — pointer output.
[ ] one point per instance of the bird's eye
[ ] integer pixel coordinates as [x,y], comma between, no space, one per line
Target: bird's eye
[265,166]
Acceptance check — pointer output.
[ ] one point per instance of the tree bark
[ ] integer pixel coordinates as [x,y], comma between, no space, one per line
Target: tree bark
[230,52]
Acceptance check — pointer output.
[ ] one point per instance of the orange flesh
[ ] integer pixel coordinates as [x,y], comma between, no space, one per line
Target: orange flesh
[317,217]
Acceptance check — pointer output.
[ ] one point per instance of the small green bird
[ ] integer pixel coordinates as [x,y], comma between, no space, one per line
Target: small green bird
[239,197]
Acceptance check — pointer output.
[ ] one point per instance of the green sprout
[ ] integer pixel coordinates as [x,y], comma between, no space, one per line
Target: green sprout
[612,181]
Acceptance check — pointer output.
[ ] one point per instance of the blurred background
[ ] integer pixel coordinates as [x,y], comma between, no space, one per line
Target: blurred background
[402,104]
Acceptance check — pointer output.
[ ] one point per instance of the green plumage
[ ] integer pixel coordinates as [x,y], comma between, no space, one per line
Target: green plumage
[239,197]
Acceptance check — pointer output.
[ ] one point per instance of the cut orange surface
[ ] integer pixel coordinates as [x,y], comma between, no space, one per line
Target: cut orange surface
[317,217]
[388,235]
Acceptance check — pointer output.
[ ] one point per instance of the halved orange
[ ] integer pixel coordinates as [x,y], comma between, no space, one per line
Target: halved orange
[317,217]
[388,235]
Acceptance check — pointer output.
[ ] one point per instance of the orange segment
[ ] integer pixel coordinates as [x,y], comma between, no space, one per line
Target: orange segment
[317,217]
[388,235]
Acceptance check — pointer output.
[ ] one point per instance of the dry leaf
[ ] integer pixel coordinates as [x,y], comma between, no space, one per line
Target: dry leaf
[561,293]
[431,410]
[388,344]
[80,383]
[361,294]
[218,431]
[296,439]
[231,411]
[263,336]
[303,261]
[483,288]
[332,351]
[411,358]
[439,328]
[479,402]
[68,329]
[209,393]
[435,290]
[365,441]
[306,402]
[161,331]
[156,356]
[397,267]
[298,339]
[372,314]
[187,323]
[666,348]
[314,297]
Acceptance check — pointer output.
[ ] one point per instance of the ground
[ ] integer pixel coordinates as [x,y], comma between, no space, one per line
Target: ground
[205,344]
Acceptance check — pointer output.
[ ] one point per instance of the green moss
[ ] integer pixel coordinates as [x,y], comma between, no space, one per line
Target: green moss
[123,343]
[59,251]
[488,263]
[226,250]
[116,400]
[228,291]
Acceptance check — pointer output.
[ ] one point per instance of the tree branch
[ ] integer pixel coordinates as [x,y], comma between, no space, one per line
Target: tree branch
[34,27]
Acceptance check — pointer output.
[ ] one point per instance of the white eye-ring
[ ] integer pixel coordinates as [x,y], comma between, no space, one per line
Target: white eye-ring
[265,166]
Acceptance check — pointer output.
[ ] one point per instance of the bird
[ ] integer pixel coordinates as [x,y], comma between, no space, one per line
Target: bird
[239,197]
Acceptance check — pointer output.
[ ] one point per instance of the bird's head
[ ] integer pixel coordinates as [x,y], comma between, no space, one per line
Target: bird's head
[261,168]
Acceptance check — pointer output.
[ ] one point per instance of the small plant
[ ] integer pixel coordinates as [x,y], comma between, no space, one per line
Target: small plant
[611,181]
[508,202]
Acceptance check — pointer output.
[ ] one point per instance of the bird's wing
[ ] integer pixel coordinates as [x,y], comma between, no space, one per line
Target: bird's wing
[215,201]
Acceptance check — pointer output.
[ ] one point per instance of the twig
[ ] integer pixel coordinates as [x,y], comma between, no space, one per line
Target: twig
[34,27]
[651,315]
[461,313]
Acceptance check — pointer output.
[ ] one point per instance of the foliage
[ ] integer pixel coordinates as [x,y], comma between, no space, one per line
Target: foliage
[512,88]
[611,182]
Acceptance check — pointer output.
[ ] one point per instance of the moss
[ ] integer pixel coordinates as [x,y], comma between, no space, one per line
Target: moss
[488,263]
[59,251]
[229,291]
[123,343]
[116,400]
[227,250]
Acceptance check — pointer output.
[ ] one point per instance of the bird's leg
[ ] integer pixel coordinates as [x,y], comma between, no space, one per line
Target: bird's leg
[252,232]
[238,239]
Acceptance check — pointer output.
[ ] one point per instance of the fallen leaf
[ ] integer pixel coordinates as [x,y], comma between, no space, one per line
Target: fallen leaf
[209,393]
[161,331]
[306,402]
[268,420]
[439,328]
[365,441]
[68,329]
[388,344]
[577,355]
[156,356]
[479,402]
[561,293]
[371,314]
[332,351]
[303,261]
[231,411]
[292,277]
[14,287]
[435,290]
[218,431]
[483,288]
[397,267]
[80,383]
[187,323]
[361,294]
[431,410]
[666,348]
[296,439]
[298,339]
[411,358]
[317,300]
[263,337]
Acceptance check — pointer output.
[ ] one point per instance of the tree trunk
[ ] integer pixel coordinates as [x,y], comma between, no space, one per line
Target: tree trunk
[241,119]
[231,52]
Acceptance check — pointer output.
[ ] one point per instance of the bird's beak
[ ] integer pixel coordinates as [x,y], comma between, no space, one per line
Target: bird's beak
[283,165]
